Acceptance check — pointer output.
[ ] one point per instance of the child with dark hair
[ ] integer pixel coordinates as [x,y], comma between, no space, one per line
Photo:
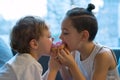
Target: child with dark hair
[31,39]
[95,61]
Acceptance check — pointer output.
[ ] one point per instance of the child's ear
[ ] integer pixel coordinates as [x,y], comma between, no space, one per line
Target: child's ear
[33,44]
[85,35]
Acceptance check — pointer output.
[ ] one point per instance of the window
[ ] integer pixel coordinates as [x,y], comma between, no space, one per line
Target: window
[12,10]
[53,11]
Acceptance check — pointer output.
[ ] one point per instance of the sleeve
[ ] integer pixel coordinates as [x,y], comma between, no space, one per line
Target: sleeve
[33,72]
[6,73]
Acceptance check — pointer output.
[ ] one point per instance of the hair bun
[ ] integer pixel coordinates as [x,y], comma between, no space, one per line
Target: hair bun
[90,7]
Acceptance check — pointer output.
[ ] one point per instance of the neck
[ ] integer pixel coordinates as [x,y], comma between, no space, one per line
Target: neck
[86,50]
[35,55]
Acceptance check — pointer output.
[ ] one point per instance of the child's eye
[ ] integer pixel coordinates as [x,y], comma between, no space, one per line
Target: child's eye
[65,33]
[49,36]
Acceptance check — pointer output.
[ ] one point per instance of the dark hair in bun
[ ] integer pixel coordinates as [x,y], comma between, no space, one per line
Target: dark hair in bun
[90,7]
[84,19]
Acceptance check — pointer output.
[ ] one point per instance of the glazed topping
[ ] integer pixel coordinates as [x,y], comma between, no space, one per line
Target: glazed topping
[58,45]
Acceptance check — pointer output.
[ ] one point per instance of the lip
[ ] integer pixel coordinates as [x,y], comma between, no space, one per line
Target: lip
[65,44]
[54,45]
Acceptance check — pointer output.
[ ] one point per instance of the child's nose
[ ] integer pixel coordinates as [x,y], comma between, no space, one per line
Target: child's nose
[60,36]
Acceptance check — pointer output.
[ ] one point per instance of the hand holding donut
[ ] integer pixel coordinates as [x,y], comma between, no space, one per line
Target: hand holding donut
[56,48]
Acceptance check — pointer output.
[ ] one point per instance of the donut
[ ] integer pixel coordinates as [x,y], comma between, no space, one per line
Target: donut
[57,45]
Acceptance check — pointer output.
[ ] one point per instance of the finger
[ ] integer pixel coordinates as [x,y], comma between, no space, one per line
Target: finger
[61,58]
[53,55]
[63,53]
[67,51]
[54,52]
[57,58]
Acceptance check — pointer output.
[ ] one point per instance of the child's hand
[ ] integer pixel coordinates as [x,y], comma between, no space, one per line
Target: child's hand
[66,58]
[56,47]
[53,64]
[52,70]
[62,55]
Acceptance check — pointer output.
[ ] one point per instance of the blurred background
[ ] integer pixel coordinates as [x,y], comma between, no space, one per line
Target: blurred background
[53,11]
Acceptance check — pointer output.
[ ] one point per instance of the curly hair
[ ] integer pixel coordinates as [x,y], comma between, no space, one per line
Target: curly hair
[26,29]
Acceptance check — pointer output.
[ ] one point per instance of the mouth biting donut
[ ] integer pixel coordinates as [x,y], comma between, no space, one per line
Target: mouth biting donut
[57,46]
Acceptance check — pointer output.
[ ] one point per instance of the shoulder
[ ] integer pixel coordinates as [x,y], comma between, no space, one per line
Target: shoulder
[105,58]
[105,54]
[7,73]
[24,64]
[34,70]
[23,61]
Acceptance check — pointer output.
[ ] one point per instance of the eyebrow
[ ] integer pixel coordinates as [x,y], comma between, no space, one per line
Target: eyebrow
[64,29]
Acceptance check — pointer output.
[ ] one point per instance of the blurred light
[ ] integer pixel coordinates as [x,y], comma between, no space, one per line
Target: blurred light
[98,4]
[13,9]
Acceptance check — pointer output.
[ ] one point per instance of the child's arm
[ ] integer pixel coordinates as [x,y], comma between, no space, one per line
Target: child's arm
[76,73]
[67,59]
[51,73]
[103,62]
[65,73]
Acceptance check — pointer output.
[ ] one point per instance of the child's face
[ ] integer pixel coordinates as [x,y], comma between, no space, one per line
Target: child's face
[70,36]
[45,43]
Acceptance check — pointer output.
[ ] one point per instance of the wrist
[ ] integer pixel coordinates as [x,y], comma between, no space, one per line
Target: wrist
[51,74]
[53,71]
[73,66]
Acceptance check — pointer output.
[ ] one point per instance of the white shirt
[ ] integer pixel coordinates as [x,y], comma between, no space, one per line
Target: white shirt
[21,67]
[86,66]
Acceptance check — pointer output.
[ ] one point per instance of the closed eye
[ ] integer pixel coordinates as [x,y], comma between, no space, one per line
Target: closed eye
[65,33]
[49,36]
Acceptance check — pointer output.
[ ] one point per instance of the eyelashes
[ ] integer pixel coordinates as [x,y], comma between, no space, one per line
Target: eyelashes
[65,32]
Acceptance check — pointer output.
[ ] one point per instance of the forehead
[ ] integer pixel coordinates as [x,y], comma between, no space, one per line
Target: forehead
[46,32]
[45,28]
[66,21]
[67,24]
